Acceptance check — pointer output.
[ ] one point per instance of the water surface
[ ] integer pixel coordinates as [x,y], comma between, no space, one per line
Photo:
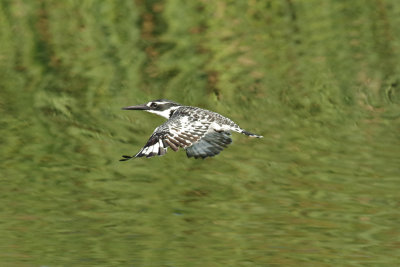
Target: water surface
[318,80]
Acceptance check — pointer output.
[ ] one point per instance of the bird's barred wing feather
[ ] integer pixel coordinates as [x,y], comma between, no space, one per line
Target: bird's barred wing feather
[175,134]
[210,145]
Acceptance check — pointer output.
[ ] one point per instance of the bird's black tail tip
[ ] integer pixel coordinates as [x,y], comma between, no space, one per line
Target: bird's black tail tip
[251,134]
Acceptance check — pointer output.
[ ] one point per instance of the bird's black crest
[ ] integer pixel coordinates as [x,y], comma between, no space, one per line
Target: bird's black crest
[166,100]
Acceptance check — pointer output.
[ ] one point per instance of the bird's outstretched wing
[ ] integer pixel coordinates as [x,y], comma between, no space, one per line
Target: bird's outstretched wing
[174,134]
[210,145]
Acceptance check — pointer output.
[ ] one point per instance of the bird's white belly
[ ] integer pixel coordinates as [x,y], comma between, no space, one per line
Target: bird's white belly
[216,127]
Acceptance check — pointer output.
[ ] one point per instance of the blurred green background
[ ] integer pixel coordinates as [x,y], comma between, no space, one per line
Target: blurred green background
[319,79]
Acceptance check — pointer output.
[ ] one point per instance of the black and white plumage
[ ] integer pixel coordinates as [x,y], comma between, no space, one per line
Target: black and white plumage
[202,133]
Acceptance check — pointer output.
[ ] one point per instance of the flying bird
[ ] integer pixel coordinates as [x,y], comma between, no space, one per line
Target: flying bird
[202,133]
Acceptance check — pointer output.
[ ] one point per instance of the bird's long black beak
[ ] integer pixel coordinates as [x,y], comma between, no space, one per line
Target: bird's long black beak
[138,107]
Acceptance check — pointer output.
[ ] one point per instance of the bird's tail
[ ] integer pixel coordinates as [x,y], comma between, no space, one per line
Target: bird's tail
[251,134]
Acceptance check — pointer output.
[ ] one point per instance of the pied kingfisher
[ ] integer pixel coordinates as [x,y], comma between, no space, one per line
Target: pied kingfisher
[202,133]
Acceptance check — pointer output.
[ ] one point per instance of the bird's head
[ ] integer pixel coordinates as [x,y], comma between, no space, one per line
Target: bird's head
[162,107]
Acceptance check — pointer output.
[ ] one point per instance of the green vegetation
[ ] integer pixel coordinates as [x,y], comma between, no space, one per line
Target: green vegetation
[319,79]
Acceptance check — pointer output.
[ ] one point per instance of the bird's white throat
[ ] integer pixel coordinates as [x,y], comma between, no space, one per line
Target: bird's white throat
[164,113]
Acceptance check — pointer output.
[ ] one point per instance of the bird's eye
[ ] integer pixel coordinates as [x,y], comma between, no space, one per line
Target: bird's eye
[153,105]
